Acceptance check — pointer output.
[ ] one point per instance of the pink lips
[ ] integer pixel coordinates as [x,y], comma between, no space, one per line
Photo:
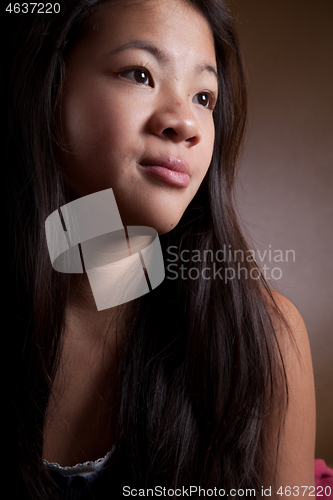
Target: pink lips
[169,169]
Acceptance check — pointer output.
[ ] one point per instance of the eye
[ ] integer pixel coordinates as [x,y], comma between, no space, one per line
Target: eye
[206,99]
[138,75]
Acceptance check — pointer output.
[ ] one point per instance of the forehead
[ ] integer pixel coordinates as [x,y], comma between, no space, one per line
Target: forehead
[176,25]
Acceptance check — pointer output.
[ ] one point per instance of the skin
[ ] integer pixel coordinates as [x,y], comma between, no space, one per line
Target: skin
[112,117]
[108,122]
[295,464]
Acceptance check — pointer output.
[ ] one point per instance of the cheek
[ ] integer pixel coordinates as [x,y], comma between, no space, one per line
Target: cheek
[97,133]
[87,124]
[208,142]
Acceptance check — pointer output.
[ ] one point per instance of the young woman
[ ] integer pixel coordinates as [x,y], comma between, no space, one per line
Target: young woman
[207,380]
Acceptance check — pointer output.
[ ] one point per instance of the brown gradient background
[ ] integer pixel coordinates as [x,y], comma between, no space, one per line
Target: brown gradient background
[285,187]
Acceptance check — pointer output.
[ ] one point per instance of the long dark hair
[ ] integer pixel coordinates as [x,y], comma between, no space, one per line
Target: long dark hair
[200,373]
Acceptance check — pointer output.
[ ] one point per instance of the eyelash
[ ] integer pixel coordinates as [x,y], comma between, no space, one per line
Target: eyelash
[212,99]
[144,69]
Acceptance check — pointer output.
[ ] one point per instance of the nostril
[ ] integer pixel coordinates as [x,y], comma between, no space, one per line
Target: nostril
[169,132]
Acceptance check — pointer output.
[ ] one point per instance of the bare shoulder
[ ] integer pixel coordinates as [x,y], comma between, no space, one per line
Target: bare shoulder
[290,327]
[297,443]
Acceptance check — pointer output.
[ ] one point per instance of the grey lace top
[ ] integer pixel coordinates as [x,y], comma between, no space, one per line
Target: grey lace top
[85,469]
[87,481]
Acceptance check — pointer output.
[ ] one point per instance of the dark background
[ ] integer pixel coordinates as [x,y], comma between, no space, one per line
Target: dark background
[285,188]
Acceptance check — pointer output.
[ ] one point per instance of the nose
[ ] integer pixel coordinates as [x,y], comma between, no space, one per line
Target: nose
[174,120]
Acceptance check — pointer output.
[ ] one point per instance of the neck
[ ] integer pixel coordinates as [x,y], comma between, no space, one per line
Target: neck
[78,425]
[82,316]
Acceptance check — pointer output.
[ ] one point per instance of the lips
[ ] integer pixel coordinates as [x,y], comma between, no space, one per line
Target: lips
[169,169]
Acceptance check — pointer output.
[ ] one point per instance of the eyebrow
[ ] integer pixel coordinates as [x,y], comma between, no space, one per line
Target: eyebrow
[159,54]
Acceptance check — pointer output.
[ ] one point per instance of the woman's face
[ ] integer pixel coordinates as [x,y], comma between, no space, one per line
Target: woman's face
[136,112]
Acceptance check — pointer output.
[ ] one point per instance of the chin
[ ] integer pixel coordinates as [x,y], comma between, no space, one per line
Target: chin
[160,226]
[161,222]
[163,217]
